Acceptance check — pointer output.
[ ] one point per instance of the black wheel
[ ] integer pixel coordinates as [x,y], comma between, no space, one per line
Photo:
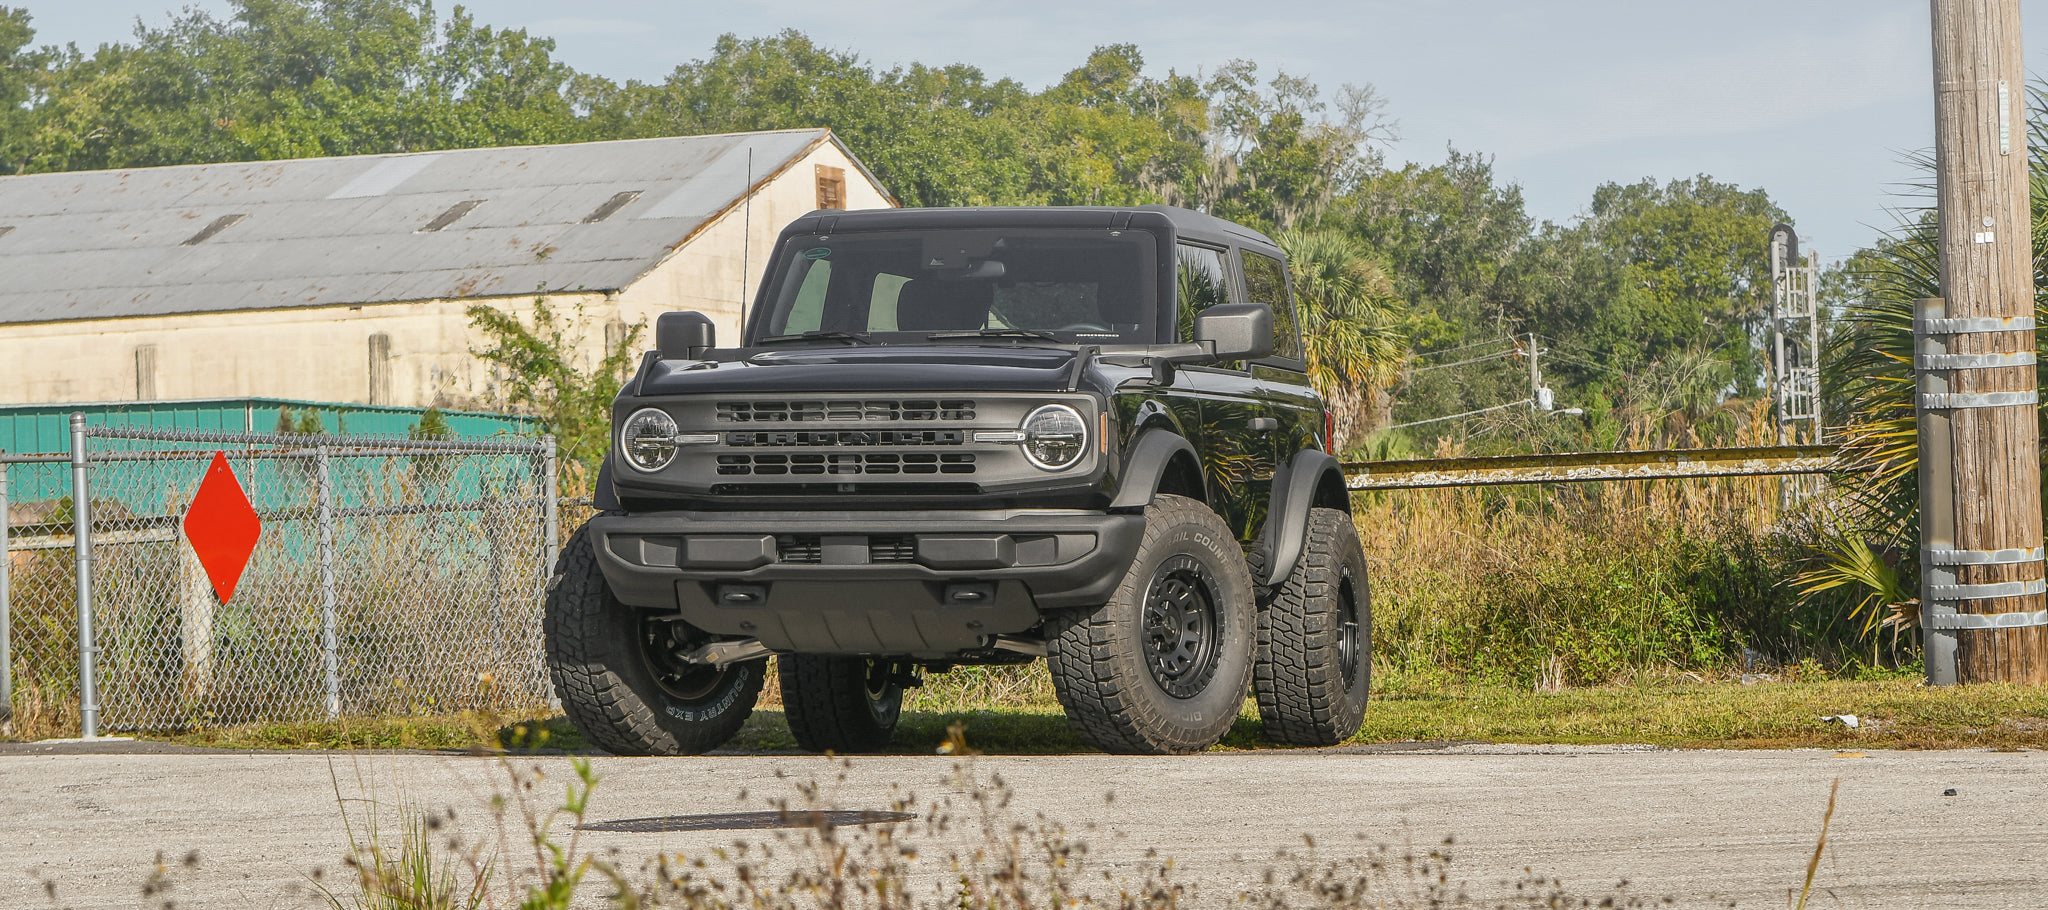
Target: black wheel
[842,704]
[1314,666]
[1162,667]
[619,671]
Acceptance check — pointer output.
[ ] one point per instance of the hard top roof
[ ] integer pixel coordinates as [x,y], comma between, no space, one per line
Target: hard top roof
[1187,223]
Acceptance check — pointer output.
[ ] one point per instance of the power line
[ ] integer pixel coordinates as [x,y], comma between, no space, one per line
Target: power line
[1466,347]
[1498,407]
[1459,363]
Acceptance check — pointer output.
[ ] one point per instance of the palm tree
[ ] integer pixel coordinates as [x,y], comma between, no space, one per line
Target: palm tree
[1350,324]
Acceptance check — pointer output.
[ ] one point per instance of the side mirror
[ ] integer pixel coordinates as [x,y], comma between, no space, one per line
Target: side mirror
[683,336]
[1235,331]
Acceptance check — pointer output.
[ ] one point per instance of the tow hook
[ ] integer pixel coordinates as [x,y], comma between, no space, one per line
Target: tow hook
[722,653]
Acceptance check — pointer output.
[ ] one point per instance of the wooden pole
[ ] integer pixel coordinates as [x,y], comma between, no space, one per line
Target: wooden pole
[1982,585]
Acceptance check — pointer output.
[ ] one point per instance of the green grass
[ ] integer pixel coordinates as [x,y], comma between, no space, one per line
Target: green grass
[1896,714]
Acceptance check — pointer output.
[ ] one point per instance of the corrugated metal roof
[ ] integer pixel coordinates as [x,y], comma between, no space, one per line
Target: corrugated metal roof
[326,231]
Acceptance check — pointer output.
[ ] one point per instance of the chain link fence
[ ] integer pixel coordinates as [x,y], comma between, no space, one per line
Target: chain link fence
[391,576]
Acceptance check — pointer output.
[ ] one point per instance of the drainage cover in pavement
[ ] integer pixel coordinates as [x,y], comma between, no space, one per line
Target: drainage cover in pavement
[732,821]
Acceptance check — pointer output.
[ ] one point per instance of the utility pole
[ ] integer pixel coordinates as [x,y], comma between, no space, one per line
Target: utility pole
[1980,485]
[1539,397]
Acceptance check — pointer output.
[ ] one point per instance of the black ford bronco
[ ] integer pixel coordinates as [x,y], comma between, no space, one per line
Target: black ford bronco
[974,436]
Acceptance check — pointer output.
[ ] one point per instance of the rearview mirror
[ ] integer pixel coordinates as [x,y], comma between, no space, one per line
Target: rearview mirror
[1235,331]
[684,335]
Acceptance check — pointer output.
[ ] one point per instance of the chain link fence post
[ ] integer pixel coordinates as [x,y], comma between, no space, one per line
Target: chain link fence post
[330,639]
[81,559]
[551,531]
[6,605]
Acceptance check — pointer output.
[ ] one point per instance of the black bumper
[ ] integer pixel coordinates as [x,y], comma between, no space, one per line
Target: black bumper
[917,584]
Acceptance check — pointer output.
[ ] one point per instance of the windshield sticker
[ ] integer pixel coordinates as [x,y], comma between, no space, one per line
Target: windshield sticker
[818,252]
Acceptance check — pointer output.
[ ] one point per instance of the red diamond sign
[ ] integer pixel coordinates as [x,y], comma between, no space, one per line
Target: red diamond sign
[222,527]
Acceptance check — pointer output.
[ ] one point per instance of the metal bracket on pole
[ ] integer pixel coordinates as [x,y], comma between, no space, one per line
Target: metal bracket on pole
[1982,557]
[1949,593]
[1937,495]
[81,559]
[1949,621]
[1972,361]
[1956,401]
[1977,325]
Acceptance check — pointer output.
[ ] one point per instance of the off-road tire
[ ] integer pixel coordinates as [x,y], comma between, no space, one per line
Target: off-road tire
[605,678]
[1311,677]
[840,704]
[1102,666]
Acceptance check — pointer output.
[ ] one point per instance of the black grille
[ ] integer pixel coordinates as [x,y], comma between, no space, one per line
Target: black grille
[845,410]
[846,489]
[803,549]
[847,463]
[847,438]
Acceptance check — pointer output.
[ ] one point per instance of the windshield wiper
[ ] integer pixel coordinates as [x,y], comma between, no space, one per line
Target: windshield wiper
[993,333]
[825,335]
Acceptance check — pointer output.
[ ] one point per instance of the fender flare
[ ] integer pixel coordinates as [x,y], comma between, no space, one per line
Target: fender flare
[1294,494]
[1146,466]
[603,498]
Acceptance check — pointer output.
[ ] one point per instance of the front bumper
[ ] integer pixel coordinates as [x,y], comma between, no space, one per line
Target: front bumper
[916,584]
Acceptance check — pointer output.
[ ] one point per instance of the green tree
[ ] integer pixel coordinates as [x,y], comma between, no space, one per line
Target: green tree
[541,372]
[23,73]
[1350,322]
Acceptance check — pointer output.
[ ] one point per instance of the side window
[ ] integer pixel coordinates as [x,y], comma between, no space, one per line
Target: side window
[1265,281]
[1200,283]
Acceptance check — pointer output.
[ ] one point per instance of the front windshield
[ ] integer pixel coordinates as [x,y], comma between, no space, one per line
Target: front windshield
[1078,286]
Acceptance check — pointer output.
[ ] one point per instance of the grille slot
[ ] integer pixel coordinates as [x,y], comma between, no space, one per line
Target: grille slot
[801,549]
[809,549]
[842,463]
[846,410]
[810,438]
[900,548]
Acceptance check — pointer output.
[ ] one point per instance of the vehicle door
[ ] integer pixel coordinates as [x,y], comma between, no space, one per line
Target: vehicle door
[1282,378]
[1294,415]
[1236,454]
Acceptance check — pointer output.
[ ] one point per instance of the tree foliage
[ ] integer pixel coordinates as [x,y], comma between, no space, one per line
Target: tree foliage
[1650,303]
[539,368]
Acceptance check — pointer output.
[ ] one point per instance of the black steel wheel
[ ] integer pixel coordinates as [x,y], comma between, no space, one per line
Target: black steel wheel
[620,673]
[1162,667]
[1181,641]
[842,704]
[1314,666]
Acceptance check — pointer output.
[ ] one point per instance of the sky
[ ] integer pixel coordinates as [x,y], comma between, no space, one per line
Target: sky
[1816,101]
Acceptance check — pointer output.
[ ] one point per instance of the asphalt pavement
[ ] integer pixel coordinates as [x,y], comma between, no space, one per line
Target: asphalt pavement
[1910,829]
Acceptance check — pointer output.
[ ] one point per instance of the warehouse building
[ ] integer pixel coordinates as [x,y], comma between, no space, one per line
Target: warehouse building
[348,279]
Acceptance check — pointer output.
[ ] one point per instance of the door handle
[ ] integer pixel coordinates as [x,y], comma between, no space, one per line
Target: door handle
[1264,424]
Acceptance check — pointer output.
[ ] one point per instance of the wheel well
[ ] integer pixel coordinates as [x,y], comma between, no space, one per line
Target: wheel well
[1182,477]
[1331,493]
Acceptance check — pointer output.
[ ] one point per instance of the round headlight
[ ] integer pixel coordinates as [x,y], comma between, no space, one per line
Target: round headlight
[648,440]
[1055,436]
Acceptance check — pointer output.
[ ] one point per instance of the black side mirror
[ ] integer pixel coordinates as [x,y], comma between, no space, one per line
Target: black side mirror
[683,336]
[1235,331]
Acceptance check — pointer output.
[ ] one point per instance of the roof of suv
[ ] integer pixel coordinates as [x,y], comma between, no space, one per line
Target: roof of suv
[1186,222]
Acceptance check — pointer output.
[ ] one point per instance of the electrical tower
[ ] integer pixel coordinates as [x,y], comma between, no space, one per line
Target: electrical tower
[1795,339]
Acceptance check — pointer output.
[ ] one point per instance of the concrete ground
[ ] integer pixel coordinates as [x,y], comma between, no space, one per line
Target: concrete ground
[1708,827]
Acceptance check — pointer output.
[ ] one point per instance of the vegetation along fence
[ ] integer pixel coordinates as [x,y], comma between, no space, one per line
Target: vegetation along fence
[385,576]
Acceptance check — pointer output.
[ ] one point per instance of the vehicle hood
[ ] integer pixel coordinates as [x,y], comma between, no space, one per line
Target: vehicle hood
[938,369]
